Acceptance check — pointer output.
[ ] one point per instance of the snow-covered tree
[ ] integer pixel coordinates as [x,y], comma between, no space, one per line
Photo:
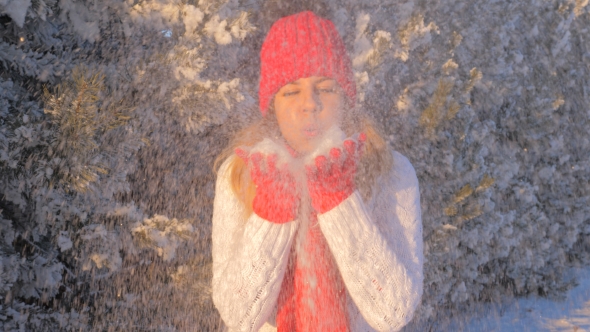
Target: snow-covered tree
[94,94]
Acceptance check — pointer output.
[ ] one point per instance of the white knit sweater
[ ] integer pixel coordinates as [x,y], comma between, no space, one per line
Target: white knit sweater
[377,246]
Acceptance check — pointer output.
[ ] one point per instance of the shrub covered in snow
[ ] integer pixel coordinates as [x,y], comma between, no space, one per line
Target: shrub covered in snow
[111,114]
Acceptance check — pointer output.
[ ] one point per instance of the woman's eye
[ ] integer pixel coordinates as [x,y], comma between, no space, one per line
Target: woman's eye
[327,90]
[290,93]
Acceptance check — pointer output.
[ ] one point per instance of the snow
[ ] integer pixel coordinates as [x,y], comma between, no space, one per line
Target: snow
[64,242]
[572,313]
[217,29]
[192,18]
[82,19]
[566,312]
[16,9]
[164,234]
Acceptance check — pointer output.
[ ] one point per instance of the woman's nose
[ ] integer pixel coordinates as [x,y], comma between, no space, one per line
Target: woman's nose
[311,101]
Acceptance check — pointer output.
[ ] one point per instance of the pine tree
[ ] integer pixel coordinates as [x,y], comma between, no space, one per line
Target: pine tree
[89,92]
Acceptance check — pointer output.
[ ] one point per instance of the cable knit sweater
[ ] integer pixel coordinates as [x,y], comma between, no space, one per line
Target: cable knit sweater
[377,246]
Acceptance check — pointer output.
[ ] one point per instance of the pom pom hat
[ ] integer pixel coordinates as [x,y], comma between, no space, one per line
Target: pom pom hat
[299,46]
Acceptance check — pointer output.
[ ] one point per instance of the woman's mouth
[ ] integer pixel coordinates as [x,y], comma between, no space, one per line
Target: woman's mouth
[311,132]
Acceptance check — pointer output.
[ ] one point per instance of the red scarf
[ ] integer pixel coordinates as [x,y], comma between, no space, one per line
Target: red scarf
[312,297]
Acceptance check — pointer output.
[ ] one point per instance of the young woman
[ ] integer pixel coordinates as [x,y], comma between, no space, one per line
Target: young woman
[316,222]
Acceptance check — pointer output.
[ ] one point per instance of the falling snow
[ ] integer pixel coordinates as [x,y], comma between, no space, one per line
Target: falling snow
[111,114]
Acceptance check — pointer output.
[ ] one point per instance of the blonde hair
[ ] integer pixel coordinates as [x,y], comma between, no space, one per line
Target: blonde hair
[376,159]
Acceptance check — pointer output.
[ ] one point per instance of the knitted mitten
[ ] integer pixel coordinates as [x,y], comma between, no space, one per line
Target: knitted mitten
[331,180]
[276,198]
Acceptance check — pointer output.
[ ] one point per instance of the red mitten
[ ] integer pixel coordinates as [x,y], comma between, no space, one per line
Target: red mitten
[331,180]
[276,198]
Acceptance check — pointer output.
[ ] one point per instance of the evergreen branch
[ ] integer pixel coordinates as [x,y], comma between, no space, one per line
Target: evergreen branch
[462,194]
[432,115]
[485,183]
[44,67]
[474,76]
[75,112]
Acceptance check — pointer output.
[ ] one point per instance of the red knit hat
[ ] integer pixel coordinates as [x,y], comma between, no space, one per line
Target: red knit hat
[299,46]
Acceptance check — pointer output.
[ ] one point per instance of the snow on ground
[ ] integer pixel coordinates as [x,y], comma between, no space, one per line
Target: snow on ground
[536,313]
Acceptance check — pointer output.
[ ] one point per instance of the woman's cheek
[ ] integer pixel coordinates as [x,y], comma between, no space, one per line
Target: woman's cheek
[331,119]
[290,133]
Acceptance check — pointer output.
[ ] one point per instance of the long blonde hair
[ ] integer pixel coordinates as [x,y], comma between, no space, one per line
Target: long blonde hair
[376,159]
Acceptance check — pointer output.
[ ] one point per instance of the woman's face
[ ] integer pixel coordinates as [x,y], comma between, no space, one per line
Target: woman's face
[306,108]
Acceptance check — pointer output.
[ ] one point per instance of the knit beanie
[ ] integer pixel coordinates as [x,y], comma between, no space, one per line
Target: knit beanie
[300,46]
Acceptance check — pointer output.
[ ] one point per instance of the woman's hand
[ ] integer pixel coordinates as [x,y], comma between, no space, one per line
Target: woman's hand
[331,180]
[277,197]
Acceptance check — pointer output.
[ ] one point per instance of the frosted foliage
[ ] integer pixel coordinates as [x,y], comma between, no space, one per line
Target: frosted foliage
[16,9]
[106,181]
[163,234]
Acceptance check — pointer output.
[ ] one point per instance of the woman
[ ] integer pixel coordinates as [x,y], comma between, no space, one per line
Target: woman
[316,222]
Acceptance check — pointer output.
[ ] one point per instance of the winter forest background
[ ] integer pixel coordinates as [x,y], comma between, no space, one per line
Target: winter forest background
[112,112]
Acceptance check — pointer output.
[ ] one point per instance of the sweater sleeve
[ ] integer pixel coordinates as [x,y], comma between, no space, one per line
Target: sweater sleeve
[249,260]
[378,248]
